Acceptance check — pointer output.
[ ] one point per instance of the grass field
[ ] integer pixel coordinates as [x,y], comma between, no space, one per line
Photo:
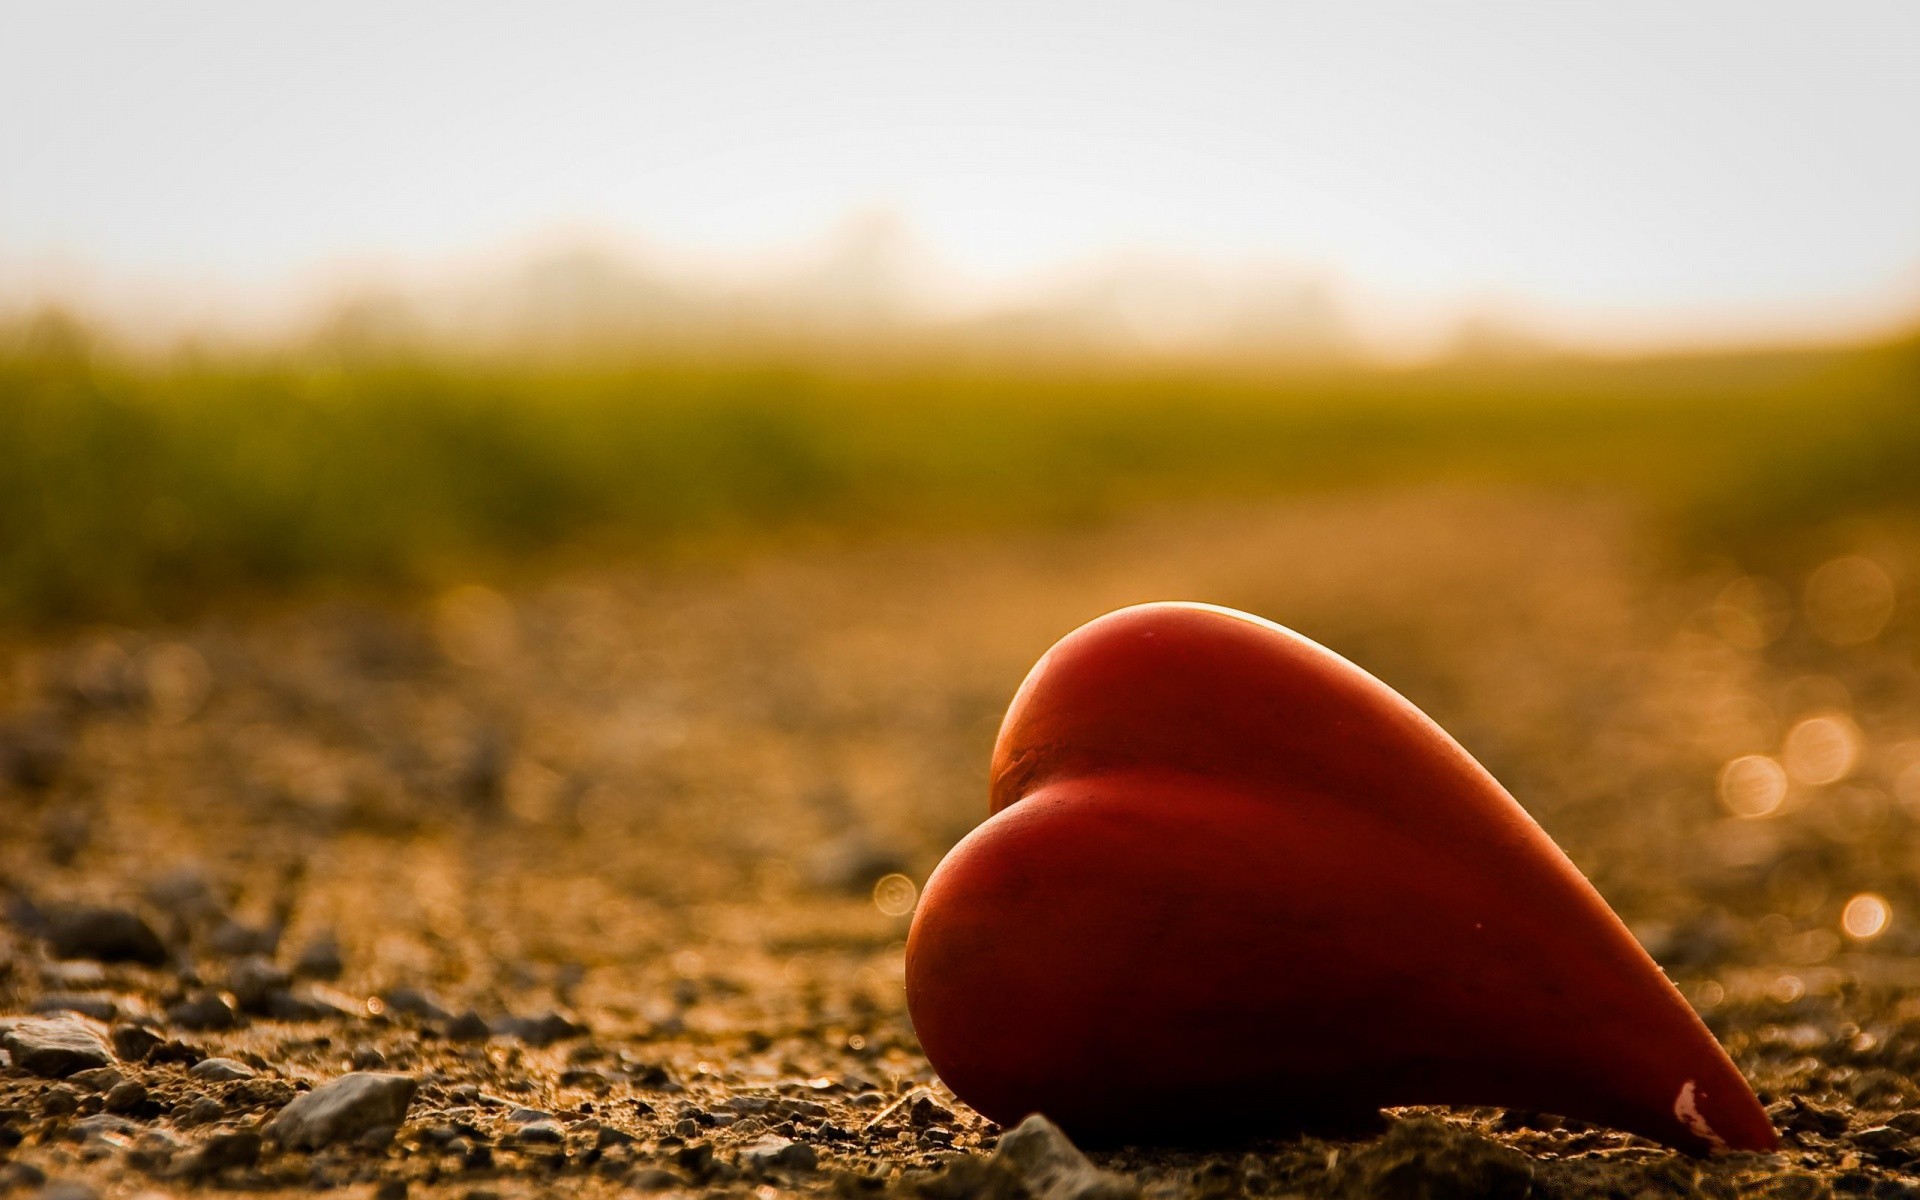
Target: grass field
[132,487]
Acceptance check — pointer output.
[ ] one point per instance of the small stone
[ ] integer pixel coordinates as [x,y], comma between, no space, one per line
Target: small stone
[173,1051]
[238,1148]
[543,1030]
[126,1097]
[653,1179]
[1051,1167]
[96,1079]
[260,1093]
[319,959]
[1805,1116]
[104,1123]
[103,934]
[75,976]
[133,1042]
[221,1070]
[469,1026]
[1426,1157]
[60,1101]
[775,1152]
[231,939]
[204,1111]
[526,1116]
[925,1111]
[186,894]
[203,1011]
[411,1002]
[1881,1137]
[285,1005]
[100,1008]
[55,1047]
[253,980]
[607,1136]
[343,1110]
[155,1150]
[542,1133]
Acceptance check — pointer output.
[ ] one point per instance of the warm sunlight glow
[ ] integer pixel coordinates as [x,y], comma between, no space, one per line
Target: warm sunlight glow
[1618,176]
[1866,916]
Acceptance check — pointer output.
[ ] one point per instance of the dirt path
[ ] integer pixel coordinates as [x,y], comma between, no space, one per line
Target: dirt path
[599,857]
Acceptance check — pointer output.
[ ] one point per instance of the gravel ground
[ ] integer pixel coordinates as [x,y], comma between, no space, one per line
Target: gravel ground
[599,883]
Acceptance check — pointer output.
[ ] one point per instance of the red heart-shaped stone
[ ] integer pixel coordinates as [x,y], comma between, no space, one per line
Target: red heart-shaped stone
[1229,877]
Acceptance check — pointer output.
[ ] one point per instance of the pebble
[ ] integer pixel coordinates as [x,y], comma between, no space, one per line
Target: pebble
[127,1097]
[184,893]
[133,1042]
[104,1123]
[469,1026]
[221,1070]
[1050,1167]
[319,959]
[100,1008]
[773,1152]
[1881,1137]
[55,1047]
[103,934]
[97,1079]
[231,939]
[1428,1157]
[344,1109]
[235,1148]
[411,1002]
[542,1132]
[59,1101]
[155,1149]
[254,980]
[286,1005]
[76,976]
[202,1011]
[543,1030]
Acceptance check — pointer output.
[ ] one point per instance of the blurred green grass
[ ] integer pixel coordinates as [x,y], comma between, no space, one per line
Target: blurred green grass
[137,487]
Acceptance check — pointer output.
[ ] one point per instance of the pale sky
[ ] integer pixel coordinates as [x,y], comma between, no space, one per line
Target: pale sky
[1617,169]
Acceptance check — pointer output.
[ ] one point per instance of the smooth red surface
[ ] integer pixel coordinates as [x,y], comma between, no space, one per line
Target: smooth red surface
[1230,876]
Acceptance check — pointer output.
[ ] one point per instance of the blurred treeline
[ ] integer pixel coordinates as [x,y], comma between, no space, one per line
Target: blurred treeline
[142,485]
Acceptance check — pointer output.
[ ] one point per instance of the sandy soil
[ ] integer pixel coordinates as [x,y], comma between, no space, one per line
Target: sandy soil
[608,860]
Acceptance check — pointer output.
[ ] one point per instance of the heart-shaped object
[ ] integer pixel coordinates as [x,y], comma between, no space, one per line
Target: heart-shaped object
[1229,878]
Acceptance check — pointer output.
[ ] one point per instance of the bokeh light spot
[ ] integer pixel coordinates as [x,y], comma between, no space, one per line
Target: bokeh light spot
[1821,749]
[1752,785]
[1849,600]
[895,895]
[1866,916]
